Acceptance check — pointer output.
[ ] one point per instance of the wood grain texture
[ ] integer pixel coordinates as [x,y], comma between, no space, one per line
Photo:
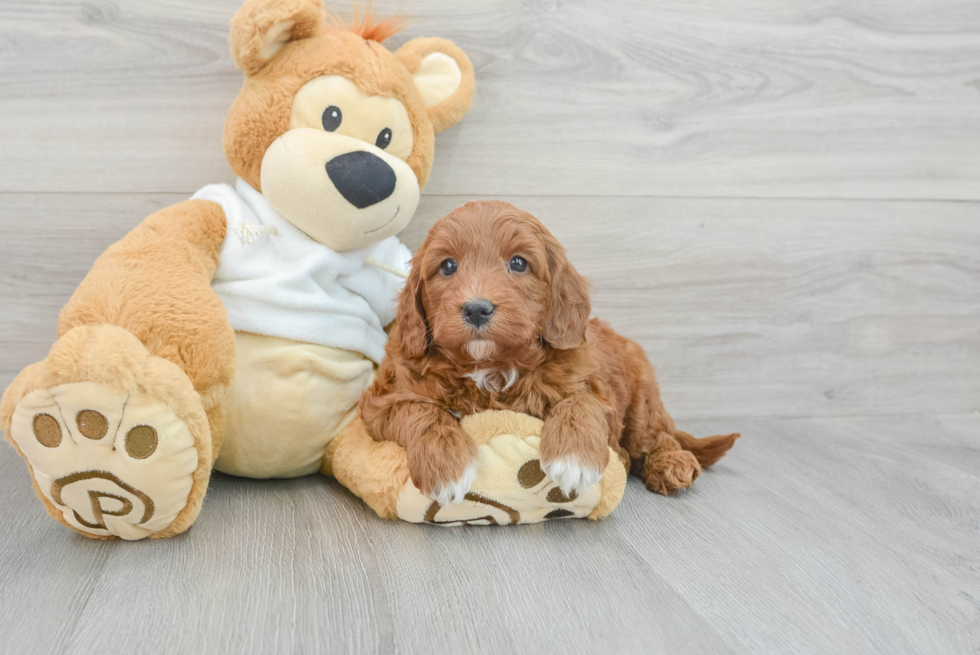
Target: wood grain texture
[813,536]
[746,307]
[829,98]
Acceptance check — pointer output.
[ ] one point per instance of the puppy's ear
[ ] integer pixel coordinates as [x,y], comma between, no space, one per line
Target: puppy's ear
[568,312]
[262,27]
[444,76]
[413,326]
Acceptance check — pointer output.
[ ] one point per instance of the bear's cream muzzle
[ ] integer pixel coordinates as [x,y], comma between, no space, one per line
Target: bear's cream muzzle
[341,191]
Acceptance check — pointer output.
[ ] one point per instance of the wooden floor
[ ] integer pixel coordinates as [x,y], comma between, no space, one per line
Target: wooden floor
[780,201]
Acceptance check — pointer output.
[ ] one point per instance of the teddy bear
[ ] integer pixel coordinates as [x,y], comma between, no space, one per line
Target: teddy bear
[236,330]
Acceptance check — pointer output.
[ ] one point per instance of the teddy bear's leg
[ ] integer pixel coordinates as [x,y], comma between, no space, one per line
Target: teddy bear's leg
[121,422]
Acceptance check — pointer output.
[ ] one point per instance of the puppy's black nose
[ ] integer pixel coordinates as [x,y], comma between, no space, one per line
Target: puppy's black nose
[363,179]
[478,312]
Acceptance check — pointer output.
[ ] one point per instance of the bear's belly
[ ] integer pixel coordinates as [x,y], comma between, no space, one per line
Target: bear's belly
[287,401]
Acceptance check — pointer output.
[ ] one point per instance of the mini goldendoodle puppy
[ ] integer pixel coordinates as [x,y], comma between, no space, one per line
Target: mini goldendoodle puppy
[493,316]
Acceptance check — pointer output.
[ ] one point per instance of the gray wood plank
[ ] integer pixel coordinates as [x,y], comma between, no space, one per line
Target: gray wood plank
[746,307]
[829,98]
[877,541]
[813,536]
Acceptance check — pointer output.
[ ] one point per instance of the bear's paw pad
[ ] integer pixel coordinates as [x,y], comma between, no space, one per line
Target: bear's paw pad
[114,464]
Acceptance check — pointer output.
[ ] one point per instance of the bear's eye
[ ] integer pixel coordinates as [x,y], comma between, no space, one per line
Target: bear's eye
[518,264]
[384,138]
[448,267]
[332,117]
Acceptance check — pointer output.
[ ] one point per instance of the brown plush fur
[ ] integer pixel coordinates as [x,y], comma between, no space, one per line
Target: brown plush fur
[593,388]
[373,470]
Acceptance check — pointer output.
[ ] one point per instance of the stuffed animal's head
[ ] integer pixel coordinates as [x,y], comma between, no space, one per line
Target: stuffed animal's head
[334,129]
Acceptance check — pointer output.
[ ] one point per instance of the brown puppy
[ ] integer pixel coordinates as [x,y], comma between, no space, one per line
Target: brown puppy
[493,316]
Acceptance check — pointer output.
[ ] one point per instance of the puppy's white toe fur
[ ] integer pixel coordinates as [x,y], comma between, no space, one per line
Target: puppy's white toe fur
[453,493]
[571,475]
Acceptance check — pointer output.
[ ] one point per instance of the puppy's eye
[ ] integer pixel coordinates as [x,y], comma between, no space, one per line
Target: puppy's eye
[384,138]
[331,118]
[518,264]
[448,267]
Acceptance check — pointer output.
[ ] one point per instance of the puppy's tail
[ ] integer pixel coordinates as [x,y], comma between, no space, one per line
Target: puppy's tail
[709,449]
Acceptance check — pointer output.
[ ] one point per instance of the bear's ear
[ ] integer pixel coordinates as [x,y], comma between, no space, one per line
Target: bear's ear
[444,76]
[262,27]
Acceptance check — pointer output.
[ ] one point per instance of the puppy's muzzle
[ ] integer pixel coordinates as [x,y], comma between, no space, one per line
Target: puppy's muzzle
[478,312]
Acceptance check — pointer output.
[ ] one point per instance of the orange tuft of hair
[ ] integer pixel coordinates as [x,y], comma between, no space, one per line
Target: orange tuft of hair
[368,26]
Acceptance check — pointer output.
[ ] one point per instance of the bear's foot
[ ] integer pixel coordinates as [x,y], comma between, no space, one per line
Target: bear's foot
[117,440]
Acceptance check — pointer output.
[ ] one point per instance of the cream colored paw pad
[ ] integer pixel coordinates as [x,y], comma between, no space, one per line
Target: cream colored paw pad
[114,464]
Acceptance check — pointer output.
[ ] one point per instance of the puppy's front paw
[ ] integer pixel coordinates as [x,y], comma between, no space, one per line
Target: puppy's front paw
[570,474]
[453,492]
[443,466]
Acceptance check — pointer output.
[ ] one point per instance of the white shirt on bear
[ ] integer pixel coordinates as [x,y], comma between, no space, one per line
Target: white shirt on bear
[275,280]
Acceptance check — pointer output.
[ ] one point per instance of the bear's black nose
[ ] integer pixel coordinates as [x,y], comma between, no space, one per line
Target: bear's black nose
[478,312]
[363,179]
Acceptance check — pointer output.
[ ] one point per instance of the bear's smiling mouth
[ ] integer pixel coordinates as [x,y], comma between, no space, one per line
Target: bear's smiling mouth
[386,224]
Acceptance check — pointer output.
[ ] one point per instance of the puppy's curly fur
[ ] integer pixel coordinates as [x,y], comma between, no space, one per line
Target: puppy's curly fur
[538,354]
